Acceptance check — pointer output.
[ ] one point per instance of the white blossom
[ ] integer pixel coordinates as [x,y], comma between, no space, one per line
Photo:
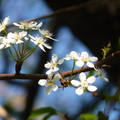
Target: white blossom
[3,24]
[6,41]
[47,34]
[50,83]
[28,25]
[18,36]
[100,73]
[84,83]
[86,59]
[73,55]
[53,64]
[40,42]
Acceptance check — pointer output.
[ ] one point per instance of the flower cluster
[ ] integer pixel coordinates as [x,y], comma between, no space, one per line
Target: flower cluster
[80,60]
[20,43]
[20,37]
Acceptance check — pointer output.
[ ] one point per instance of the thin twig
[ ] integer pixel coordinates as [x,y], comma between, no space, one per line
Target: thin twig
[64,10]
[100,64]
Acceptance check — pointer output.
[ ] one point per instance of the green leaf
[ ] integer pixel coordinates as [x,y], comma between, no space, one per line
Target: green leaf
[48,115]
[37,112]
[91,73]
[88,116]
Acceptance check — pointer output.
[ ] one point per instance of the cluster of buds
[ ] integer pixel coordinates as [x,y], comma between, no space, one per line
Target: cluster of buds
[23,38]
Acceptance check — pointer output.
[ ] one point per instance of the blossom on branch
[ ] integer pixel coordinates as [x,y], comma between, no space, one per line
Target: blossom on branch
[47,34]
[50,83]
[84,83]
[73,55]
[53,64]
[18,36]
[3,24]
[28,25]
[86,59]
[6,41]
[40,42]
[100,73]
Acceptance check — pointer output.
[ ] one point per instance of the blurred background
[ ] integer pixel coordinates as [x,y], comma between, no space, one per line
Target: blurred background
[89,28]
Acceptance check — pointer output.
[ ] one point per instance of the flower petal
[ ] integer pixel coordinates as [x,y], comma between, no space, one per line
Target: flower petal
[79,63]
[92,88]
[54,57]
[54,87]
[49,71]
[42,82]
[91,79]
[55,69]
[79,91]
[57,77]
[47,46]
[60,61]
[84,55]
[48,90]
[89,64]
[93,59]
[48,65]
[106,79]
[82,76]
[75,82]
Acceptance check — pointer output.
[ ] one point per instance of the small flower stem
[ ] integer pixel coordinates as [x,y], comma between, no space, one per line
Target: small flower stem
[16,52]
[72,69]
[19,48]
[61,74]
[29,53]
[12,54]
[77,73]
[5,32]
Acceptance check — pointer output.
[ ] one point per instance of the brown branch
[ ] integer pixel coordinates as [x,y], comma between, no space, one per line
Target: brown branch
[64,10]
[100,64]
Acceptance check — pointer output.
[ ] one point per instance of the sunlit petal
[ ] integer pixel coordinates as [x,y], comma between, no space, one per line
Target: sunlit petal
[75,82]
[79,91]
[92,88]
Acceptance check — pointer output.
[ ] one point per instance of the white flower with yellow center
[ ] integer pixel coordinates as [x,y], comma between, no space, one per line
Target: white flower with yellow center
[86,59]
[73,55]
[40,42]
[28,25]
[84,83]
[6,41]
[3,24]
[50,83]
[18,36]
[46,34]
[53,65]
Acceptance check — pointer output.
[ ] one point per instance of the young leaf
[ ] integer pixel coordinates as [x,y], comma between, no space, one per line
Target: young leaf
[41,111]
[88,116]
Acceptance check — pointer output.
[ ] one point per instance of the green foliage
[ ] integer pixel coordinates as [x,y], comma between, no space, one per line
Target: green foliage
[88,116]
[106,50]
[48,111]
[91,73]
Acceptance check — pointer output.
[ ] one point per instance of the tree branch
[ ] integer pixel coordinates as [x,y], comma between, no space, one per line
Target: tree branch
[99,64]
[64,10]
